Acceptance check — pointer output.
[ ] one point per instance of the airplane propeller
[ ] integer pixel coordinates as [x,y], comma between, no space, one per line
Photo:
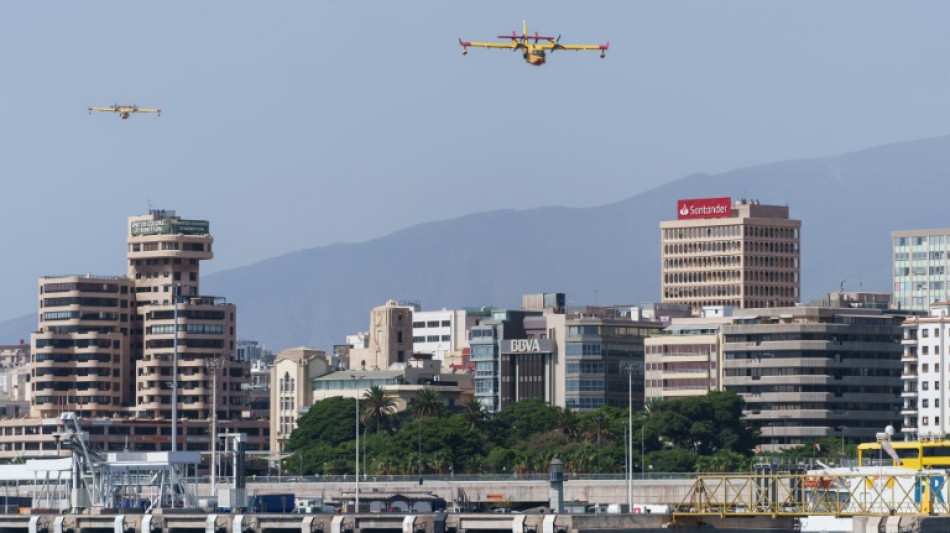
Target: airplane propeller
[556,45]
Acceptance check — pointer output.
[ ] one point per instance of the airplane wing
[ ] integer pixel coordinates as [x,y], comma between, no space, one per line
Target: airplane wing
[148,110]
[509,46]
[552,46]
[104,109]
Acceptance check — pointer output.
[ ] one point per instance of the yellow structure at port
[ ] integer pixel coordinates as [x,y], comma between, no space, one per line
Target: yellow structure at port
[885,492]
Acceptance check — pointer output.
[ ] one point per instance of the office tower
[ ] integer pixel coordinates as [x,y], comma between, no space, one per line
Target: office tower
[743,255]
[921,259]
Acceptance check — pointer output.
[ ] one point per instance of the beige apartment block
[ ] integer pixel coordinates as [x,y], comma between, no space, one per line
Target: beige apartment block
[749,259]
[81,353]
[685,359]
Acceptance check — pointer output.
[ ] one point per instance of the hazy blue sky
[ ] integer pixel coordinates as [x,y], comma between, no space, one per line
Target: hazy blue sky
[293,124]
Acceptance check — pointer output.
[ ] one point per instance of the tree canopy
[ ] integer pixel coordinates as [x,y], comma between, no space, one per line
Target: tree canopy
[704,433]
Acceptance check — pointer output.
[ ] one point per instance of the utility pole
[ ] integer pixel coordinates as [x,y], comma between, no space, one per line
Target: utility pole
[212,365]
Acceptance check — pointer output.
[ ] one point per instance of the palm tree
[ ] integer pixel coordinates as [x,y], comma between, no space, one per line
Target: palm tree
[597,428]
[378,404]
[427,403]
[652,405]
[474,413]
[568,423]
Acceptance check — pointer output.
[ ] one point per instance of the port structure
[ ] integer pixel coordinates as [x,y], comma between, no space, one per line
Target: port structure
[887,492]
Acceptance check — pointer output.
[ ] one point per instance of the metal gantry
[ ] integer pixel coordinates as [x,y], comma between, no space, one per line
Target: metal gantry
[840,493]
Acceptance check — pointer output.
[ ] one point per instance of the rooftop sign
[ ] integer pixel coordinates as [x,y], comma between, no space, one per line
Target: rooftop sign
[704,208]
[171,226]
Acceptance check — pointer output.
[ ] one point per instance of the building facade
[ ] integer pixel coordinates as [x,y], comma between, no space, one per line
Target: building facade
[604,359]
[440,333]
[925,374]
[743,255]
[106,348]
[685,360]
[921,263]
[389,340]
[812,372]
[291,392]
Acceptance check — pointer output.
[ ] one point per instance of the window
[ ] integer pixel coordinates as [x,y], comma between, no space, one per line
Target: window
[925,403]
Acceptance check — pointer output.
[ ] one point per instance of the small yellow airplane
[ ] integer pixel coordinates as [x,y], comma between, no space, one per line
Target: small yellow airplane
[125,110]
[534,53]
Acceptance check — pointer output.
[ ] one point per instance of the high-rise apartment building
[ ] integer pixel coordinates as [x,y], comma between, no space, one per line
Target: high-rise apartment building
[812,372]
[164,253]
[743,255]
[921,263]
[106,346]
[81,353]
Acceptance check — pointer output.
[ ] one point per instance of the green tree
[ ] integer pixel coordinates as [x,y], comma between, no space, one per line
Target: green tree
[569,423]
[427,403]
[331,422]
[518,421]
[377,405]
[474,413]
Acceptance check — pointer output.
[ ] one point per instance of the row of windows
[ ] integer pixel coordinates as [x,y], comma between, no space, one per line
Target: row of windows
[682,384]
[71,401]
[82,286]
[82,315]
[584,385]
[190,343]
[431,324]
[769,232]
[681,349]
[86,301]
[935,240]
[431,338]
[584,403]
[837,373]
[75,357]
[194,314]
[608,331]
[198,329]
[919,271]
[76,343]
[693,262]
[692,366]
[77,372]
[721,291]
[585,367]
[711,247]
[833,337]
[697,233]
[799,354]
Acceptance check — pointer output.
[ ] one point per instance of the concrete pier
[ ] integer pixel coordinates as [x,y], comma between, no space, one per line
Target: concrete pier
[192,522]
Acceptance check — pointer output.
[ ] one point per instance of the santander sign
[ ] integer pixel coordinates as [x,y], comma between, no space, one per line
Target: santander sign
[704,208]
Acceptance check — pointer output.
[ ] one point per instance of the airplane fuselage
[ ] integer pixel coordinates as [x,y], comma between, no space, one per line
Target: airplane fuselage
[534,55]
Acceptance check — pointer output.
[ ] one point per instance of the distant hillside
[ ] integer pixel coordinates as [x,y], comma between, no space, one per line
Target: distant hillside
[849,204]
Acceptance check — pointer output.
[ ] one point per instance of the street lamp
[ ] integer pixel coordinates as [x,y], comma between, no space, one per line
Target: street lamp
[629,368]
[356,500]
[175,292]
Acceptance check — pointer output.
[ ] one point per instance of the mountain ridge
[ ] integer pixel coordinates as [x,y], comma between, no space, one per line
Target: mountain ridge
[848,205]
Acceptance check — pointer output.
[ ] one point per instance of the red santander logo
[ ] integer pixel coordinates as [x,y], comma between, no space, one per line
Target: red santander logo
[704,208]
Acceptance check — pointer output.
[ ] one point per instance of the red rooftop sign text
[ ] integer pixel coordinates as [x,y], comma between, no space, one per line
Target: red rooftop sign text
[704,208]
